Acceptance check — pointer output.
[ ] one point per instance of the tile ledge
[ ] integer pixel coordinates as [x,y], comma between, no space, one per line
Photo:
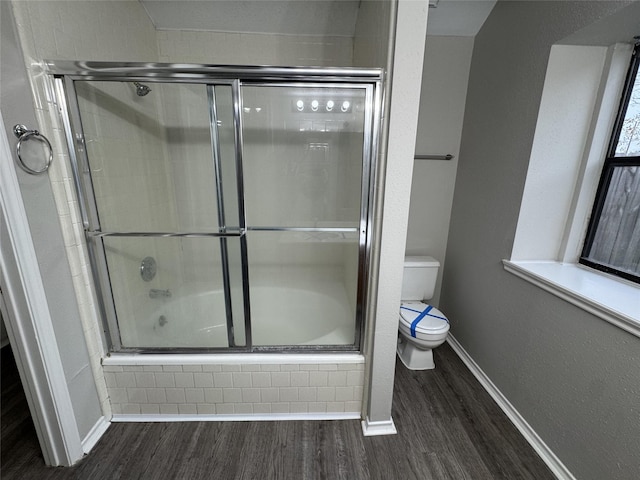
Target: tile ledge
[613,300]
[127,359]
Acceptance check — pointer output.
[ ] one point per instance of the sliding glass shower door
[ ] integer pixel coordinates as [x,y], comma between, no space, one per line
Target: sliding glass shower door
[156,164]
[302,158]
[225,213]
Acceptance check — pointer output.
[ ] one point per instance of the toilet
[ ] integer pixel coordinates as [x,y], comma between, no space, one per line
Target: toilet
[422,327]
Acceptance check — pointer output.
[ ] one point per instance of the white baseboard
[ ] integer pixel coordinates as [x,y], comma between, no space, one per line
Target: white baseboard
[267,417]
[385,427]
[95,434]
[547,455]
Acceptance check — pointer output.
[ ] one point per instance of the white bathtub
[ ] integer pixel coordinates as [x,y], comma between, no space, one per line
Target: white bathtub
[279,316]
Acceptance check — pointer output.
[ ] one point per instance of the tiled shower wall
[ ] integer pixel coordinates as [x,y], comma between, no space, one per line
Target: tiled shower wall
[248,389]
[175,46]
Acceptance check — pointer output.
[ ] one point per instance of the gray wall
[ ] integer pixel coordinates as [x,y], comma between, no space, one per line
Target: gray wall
[38,200]
[445,74]
[574,377]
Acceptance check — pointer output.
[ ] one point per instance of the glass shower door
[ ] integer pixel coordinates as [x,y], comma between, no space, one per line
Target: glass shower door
[303,158]
[155,162]
[225,209]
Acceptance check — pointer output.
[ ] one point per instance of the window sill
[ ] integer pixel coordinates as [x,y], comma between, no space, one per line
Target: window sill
[613,300]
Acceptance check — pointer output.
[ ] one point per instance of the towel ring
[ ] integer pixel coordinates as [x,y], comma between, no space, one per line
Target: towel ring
[24,134]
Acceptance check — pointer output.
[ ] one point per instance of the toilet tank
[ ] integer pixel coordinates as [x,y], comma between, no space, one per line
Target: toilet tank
[419,280]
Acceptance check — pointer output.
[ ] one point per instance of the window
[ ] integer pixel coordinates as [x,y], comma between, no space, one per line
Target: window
[578,111]
[612,242]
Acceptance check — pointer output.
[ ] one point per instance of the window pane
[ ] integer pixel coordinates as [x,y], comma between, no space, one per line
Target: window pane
[629,140]
[617,238]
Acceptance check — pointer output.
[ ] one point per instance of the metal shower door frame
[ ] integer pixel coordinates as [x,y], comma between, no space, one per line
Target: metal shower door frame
[67,72]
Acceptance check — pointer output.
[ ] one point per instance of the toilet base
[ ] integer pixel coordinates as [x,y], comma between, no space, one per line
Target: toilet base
[413,357]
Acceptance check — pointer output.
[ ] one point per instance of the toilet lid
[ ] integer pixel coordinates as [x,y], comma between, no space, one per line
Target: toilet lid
[420,317]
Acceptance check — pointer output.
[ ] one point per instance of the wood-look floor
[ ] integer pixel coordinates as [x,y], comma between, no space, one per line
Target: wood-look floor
[448,428]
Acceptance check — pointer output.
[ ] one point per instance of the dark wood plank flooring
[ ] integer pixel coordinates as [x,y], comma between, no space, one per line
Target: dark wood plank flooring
[449,428]
[19,445]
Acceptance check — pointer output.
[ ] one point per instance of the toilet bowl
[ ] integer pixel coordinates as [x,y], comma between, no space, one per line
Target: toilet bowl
[421,327]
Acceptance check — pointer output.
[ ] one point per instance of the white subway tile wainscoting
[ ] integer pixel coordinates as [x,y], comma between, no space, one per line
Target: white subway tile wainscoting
[240,390]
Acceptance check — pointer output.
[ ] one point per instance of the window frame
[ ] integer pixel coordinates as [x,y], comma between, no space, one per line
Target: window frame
[611,162]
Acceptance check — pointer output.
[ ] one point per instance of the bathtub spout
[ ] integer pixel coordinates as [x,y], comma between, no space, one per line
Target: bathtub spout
[157,293]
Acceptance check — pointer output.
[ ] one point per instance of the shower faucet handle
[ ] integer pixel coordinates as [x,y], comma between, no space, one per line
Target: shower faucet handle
[148,269]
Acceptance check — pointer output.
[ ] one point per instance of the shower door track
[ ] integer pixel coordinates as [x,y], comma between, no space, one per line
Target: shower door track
[203,73]
[65,73]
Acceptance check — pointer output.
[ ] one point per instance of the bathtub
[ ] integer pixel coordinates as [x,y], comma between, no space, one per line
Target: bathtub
[241,386]
[192,317]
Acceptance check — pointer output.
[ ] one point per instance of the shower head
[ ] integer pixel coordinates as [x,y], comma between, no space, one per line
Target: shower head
[141,90]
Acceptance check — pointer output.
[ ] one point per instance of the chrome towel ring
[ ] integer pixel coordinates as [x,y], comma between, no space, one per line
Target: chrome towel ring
[24,134]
